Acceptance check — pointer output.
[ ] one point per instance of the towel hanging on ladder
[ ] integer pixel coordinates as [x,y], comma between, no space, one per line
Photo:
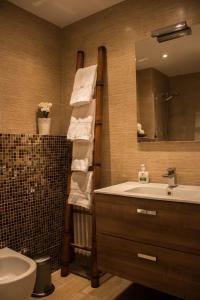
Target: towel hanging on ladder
[81,188]
[82,122]
[84,86]
[82,156]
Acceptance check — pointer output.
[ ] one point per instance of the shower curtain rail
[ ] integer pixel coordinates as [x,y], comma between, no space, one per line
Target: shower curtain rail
[67,254]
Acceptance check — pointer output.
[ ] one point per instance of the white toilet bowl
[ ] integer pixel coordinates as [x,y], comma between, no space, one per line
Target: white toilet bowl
[17,275]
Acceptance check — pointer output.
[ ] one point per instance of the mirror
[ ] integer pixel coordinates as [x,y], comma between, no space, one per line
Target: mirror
[168,88]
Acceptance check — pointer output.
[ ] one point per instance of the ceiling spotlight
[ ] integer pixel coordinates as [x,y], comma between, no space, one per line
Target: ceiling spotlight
[171,32]
[165,55]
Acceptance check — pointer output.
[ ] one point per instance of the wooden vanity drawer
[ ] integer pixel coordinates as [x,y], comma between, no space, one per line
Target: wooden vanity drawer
[171,271]
[168,224]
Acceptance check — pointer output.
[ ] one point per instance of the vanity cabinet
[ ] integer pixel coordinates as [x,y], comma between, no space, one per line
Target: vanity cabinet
[151,242]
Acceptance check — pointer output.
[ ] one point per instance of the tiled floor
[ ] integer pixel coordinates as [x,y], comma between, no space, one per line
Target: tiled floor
[77,288]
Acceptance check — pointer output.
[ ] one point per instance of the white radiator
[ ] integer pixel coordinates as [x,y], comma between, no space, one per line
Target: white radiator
[82,231]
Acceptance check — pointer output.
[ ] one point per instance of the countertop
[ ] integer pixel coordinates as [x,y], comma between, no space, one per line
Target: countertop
[181,193]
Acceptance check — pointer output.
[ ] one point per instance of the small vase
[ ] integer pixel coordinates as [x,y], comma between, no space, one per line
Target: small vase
[44,125]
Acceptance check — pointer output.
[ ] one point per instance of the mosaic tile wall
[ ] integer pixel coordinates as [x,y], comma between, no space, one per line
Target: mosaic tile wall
[33,179]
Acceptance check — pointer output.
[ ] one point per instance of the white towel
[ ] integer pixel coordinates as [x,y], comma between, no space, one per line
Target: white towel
[81,188]
[82,156]
[80,165]
[84,85]
[82,123]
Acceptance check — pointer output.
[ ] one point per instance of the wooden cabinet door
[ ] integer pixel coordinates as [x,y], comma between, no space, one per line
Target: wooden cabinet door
[170,271]
[167,224]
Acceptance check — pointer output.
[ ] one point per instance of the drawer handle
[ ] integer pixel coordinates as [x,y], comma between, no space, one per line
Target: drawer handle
[146,212]
[147,257]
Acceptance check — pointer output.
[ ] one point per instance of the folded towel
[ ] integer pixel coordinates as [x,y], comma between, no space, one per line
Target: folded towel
[80,165]
[81,188]
[82,123]
[82,156]
[84,85]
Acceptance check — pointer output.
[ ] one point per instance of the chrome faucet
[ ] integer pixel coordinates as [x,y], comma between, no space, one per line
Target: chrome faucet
[171,175]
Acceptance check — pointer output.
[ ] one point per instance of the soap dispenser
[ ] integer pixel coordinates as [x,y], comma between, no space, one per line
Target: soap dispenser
[143,175]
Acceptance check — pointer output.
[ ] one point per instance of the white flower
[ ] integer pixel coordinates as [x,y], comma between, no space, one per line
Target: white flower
[45,106]
[41,104]
[45,109]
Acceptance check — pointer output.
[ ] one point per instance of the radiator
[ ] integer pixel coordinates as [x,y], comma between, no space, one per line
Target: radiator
[82,231]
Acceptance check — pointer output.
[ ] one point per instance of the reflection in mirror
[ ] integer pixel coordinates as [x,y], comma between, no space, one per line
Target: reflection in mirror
[168,88]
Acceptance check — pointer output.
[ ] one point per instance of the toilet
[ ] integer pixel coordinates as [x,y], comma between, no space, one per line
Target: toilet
[17,275]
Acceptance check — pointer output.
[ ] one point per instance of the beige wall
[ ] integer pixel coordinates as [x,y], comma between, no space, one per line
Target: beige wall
[118,28]
[30,68]
[30,72]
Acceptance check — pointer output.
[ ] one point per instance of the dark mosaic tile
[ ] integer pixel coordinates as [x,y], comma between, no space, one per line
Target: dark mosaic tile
[33,179]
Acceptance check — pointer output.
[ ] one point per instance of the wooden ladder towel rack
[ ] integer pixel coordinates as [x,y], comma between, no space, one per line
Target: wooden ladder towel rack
[67,254]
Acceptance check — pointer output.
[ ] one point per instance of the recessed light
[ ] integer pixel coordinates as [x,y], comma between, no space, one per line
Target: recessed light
[165,55]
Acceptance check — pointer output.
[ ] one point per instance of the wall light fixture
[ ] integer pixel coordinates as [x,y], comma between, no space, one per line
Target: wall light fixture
[171,32]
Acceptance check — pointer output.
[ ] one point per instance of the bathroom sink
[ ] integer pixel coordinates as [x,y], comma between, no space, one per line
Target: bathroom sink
[185,193]
[17,275]
[176,192]
[148,190]
[156,191]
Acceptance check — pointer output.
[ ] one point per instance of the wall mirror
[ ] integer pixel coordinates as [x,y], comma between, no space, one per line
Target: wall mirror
[168,88]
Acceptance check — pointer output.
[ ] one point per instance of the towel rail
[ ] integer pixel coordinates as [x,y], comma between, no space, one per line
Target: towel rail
[67,251]
[69,245]
[81,247]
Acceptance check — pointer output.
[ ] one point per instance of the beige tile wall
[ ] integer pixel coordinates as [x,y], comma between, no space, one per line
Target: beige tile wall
[30,72]
[118,28]
[30,68]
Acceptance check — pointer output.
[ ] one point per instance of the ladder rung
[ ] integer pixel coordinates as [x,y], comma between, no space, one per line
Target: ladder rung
[100,83]
[97,164]
[81,247]
[91,168]
[83,212]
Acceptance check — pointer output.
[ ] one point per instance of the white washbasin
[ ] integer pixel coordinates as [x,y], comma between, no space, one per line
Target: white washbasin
[176,192]
[185,193]
[148,190]
[157,191]
[17,275]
